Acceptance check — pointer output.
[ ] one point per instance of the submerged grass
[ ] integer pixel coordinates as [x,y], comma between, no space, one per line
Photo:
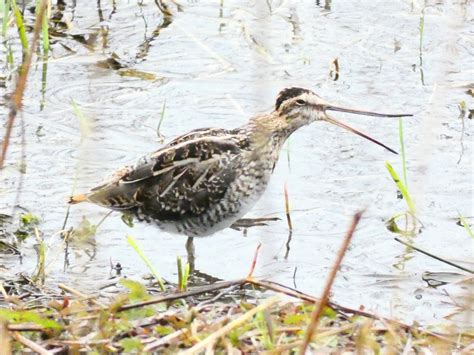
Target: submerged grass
[402,146]
[287,207]
[466,226]
[410,215]
[421,29]
[401,187]
[132,242]
[5,8]
[39,274]
[84,122]
[158,127]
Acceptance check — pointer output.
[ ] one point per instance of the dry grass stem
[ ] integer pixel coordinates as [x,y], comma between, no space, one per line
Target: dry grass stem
[287,208]
[254,261]
[17,97]
[329,282]
[211,339]
[30,344]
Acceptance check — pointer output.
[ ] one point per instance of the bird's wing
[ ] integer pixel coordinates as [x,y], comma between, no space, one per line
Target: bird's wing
[192,135]
[199,133]
[177,180]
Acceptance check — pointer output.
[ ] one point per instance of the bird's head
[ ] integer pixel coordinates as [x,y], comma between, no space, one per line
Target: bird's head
[296,107]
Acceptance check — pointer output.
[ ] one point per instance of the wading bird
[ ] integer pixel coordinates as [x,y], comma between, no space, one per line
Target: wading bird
[207,179]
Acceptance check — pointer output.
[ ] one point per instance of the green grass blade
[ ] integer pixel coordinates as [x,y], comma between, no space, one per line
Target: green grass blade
[466,226]
[402,147]
[84,123]
[180,273]
[162,116]
[20,25]
[401,186]
[187,269]
[6,16]
[10,59]
[135,246]
[45,33]
[183,275]
[39,274]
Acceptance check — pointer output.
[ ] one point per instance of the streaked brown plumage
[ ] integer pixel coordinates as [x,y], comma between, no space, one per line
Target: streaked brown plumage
[205,180]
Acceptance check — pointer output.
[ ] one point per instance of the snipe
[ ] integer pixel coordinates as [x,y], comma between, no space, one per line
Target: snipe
[205,180]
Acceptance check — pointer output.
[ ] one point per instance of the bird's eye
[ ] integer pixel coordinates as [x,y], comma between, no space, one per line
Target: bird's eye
[300,102]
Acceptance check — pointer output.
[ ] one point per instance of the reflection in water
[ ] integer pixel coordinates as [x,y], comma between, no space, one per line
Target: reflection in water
[221,16]
[240,225]
[327,4]
[99,11]
[411,229]
[245,223]
[197,277]
[295,25]
[190,253]
[88,248]
[115,270]
[104,28]
[403,258]
[411,246]
[44,74]
[287,245]
[421,30]
[144,47]
[436,279]
[294,278]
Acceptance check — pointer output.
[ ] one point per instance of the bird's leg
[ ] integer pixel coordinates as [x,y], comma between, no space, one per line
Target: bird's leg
[190,254]
[244,223]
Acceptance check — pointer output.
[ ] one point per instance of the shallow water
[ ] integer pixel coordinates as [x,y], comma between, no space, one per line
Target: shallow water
[216,65]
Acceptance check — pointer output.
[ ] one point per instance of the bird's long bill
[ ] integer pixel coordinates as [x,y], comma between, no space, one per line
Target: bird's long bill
[360,112]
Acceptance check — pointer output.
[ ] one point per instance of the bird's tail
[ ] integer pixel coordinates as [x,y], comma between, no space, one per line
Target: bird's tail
[77,199]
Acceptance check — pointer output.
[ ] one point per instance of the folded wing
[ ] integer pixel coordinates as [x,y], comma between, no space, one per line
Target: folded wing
[180,180]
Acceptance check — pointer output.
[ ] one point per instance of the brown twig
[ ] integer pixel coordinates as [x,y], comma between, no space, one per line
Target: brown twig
[318,310]
[80,294]
[17,97]
[287,207]
[270,285]
[177,296]
[5,345]
[80,342]
[283,289]
[30,344]
[254,261]
[164,340]
[434,256]
[25,328]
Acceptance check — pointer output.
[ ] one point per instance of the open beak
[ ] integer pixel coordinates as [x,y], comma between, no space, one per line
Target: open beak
[358,112]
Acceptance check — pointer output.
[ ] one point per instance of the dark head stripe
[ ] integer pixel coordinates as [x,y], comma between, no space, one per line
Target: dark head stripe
[289,93]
